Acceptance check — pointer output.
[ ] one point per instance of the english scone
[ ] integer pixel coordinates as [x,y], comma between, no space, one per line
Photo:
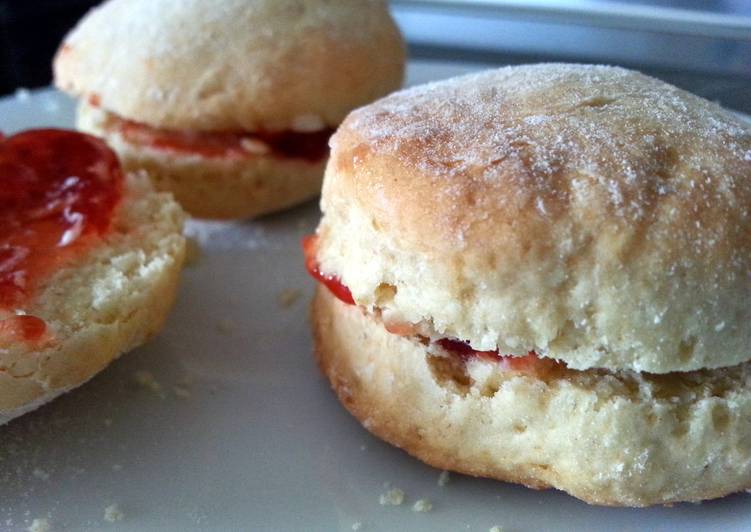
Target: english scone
[542,274]
[229,105]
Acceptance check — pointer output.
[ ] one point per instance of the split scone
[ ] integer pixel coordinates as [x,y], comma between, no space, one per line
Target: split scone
[542,274]
[229,105]
[89,263]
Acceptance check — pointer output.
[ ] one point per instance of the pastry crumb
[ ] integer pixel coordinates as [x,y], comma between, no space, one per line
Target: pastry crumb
[113,513]
[146,379]
[393,497]
[289,297]
[443,478]
[357,525]
[496,529]
[422,506]
[40,524]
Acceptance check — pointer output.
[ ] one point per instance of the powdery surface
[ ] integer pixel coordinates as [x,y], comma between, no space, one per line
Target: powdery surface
[489,120]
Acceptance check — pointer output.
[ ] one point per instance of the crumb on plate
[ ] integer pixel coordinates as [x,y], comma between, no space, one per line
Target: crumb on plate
[40,524]
[113,513]
[422,506]
[146,379]
[393,497]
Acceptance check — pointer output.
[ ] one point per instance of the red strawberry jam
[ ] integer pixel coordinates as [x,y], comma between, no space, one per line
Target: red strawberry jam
[457,348]
[464,351]
[58,190]
[333,283]
[22,328]
[312,147]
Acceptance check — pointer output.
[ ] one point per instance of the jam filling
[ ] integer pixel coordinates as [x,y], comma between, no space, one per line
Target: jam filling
[58,190]
[309,245]
[22,328]
[312,147]
[457,348]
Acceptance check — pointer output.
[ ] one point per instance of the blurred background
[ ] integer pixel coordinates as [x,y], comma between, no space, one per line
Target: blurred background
[701,45]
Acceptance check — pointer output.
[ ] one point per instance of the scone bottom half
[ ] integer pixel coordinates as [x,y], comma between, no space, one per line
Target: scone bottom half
[219,174]
[90,258]
[607,438]
[539,274]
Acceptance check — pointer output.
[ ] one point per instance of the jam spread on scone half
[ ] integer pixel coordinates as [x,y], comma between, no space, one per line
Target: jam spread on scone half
[59,191]
[529,363]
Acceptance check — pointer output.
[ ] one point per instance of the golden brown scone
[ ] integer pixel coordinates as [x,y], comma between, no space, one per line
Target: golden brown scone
[239,67]
[541,274]
[112,299]
[591,214]
[607,437]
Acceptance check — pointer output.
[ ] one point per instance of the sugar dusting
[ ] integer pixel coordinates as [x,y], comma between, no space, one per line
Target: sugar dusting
[591,141]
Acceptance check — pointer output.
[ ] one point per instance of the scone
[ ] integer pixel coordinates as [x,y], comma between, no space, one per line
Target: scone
[542,274]
[229,105]
[89,263]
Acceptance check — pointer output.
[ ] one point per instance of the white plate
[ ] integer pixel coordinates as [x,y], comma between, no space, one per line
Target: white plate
[259,442]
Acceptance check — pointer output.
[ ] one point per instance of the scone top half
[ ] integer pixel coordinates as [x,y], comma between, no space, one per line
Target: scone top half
[589,214]
[235,65]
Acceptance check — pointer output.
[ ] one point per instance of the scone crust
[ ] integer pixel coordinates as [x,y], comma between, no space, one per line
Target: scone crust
[608,438]
[232,65]
[590,213]
[110,300]
[213,188]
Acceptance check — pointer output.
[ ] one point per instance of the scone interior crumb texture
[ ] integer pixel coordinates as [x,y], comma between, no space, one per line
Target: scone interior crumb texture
[111,299]
[593,215]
